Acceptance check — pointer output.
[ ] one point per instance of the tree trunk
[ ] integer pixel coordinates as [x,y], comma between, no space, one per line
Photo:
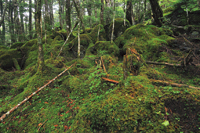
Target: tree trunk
[2,23]
[129,11]
[11,22]
[102,11]
[79,42]
[89,10]
[21,8]
[30,19]
[157,12]
[3,11]
[77,6]
[108,11]
[47,16]
[145,6]
[51,13]
[68,17]
[38,29]
[60,14]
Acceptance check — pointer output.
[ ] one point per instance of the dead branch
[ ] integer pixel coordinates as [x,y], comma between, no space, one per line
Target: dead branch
[67,39]
[174,84]
[163,63]
[42,124]
[104,68]
[110,80]
[30,96]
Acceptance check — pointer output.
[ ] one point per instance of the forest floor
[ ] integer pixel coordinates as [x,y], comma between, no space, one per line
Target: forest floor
[147,80]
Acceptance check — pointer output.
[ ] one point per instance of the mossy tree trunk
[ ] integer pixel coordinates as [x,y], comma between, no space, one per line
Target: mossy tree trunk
[51,13]
[2,22]
[68,17]
[101,13]
[11,22]
[21,9]
[108,11]
[30,19]
[47,16]
[60,12]
[77,6]
[157,12]
[129,11]
[39,37]
[89,10]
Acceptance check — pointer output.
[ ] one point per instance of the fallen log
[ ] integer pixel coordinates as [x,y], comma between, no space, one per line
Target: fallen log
[30,96]
[174,84]
[110,80]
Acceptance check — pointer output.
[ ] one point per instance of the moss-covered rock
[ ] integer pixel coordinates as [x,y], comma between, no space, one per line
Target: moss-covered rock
[103,47]
[94,33]
[119,28]
[6,58]
[29,46]
[72,47]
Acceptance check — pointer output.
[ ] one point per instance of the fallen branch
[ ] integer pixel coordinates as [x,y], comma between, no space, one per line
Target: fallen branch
[26,99]
[42,124]
[163,63]
[110,80]
[67,39]
[173,84]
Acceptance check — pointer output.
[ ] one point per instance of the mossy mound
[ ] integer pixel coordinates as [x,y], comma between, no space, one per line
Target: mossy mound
[10,58]
[94,33]
[103,47]
[119,27]
[146,39]
[16,45]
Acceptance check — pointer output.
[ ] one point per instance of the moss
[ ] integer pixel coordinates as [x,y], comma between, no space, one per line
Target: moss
[119,27]
[94,33]
[16,45]
[28,45]
[103,47]
[6,58]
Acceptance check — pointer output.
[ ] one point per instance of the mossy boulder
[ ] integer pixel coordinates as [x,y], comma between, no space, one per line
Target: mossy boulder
[29,46]
[72,47]
[94,33]
[7,56]
[103,47]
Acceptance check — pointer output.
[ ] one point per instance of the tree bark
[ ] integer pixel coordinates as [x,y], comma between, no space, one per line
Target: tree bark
[2,23]
[68,16]
[11,22]
[101,13]
[39,38]
[108,6]
[21,9]
[77,6]
[129,11]
[30,19]
[47,16]
[89,10]
[60,14]
[157,12]
[51,13]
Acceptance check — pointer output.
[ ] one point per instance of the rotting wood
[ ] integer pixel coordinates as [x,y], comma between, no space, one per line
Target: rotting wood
[104,68]
[110,80]
[30,96]
[174,84]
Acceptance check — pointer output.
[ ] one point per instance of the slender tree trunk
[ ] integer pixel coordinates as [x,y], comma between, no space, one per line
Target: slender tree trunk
[145,6]
[129,11]
[30,19]
[79,45]
[51,13]
[21,22]
[60,14]
[3,12]
[124,13]
[157,12]
[77,6]
[102,11]
[89,10]
[2,23]
[39,37]
[68,16]
[11,22]
[47,16]
[113,24]
[108,11]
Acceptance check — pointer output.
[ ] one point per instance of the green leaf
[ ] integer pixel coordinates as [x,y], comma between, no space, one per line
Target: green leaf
[165,123]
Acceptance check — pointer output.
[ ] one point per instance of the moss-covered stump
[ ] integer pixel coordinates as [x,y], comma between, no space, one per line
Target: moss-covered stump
[6,58]
[98,32]
[103,47]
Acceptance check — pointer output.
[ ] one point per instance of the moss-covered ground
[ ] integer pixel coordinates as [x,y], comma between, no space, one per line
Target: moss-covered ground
[83,101]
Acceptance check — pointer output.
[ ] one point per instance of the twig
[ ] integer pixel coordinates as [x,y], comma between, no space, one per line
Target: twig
[42,124]
[174,84]
[110,80]
[30,96]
